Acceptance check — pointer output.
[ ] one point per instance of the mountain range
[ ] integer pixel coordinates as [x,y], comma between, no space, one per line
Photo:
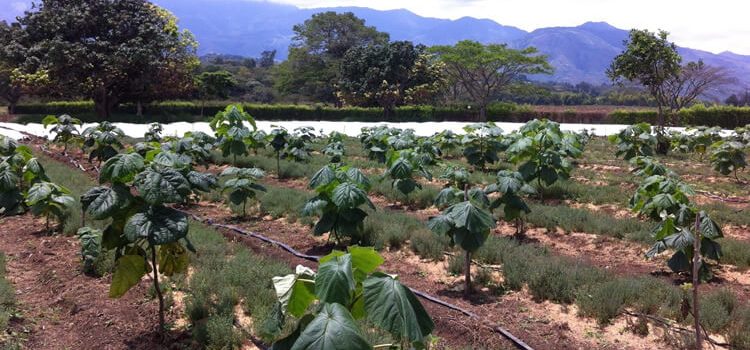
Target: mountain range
[247,28]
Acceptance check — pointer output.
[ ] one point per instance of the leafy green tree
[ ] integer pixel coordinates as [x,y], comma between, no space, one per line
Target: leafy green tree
[242,185]
[402,167]
[278,139]
[145,234]
[91,246]
[456,180]
[543,150]
[512,187]
[64,127]
[103,140]
[19,170]
[634,141]
[214,85]
[49,200]
[112,52]
[334,148]
[153,134]
[651,60]
[727,157]
[483,71]
[347,287]
[468,225]
[318,48]
[11,89]
[231,132]
[299,144]
[388,75]
[482,143]
[340,192]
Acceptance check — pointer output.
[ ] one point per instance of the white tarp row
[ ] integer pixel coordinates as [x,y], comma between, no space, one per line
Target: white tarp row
[348,128]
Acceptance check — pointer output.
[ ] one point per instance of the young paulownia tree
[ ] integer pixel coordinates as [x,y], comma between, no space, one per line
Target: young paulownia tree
[242,185]
[64,127]
[468,225]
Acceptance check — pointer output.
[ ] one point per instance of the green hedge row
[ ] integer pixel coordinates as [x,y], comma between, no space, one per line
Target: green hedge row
[726,117]
[173,111]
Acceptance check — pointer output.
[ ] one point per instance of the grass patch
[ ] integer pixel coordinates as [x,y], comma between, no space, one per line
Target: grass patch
[7,298]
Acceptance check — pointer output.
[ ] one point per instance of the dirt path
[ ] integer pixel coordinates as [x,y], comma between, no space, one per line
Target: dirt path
[65,309]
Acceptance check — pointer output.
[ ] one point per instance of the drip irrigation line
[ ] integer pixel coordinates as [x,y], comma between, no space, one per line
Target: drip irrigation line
[492,326]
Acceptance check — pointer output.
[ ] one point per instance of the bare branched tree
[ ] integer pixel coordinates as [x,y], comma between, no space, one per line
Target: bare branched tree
[694,80]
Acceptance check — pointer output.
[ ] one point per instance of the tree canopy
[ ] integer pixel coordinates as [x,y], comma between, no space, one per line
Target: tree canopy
[110,51]
[389,75]
[483,71]
[318,46]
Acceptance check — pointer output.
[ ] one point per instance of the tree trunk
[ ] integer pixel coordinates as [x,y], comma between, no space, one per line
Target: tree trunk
[12,107]
[278,165]
[696,281]
[467,275]
[157,289]
[139,109]
[483,113]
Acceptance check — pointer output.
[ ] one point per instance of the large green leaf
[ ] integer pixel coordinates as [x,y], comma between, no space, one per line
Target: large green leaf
[294,291]
[471,217]
[164,186]
[348,195]
[322,177]
[129,271]
[334,282]
[121,168]
[102,202]
[332,329]
[160,225]
[394,308]
[202,181]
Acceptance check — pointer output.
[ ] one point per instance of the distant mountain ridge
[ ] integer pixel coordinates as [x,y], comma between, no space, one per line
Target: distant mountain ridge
[247,28]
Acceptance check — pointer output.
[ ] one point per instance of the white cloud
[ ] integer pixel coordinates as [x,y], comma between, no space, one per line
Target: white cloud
[715,26]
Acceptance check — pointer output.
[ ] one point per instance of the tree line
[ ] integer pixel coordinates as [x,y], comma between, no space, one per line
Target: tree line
[132,51]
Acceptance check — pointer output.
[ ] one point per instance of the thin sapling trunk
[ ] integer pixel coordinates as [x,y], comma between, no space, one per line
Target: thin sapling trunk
[696,281]
[162,323]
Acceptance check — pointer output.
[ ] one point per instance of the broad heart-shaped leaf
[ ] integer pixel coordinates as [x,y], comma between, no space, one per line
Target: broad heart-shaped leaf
[163,186]
[708,228]
[440,224]
[332,329]
[8,178]
[348,195]
[130,269]
[394,308]
[173,258]
[334,282]
[679,262]
[102,202]
[121,168]
[39,192]
[469,241]
[160,225]
[680,240]
[400,169]
[365,260]
[202,181]
[295,295]
[467,215]
[323,177]
[358,177]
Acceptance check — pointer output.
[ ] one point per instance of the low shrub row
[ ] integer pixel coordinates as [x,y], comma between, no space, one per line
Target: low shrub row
[187,111]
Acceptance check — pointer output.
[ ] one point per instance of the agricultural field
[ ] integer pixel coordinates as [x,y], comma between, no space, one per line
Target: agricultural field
[483,238]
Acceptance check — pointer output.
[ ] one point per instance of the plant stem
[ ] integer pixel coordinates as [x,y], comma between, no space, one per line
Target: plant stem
[467,276]
[158,290]
[696,281]
[278,165]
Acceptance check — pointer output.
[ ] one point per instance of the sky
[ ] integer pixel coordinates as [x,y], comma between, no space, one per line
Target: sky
[716,25]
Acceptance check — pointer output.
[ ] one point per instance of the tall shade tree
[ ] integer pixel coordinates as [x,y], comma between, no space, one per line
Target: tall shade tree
[110,51]
[651,60]
[483,71]
[389,75]
[318,46]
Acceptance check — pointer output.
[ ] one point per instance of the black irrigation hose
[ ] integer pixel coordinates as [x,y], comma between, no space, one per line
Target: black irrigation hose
[492,326]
